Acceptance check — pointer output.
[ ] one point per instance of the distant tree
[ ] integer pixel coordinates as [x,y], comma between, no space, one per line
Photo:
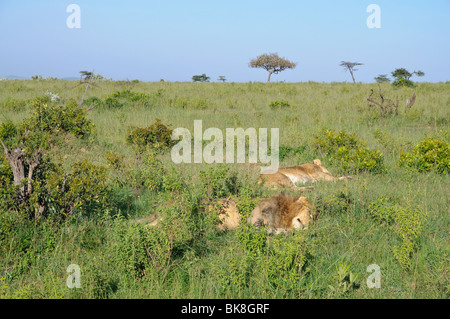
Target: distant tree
[272,63]
[402,77]
[350,66]
[382,78]
[221,78]
[200,78]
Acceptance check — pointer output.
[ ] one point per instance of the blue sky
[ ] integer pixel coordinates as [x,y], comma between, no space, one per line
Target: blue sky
[174,39]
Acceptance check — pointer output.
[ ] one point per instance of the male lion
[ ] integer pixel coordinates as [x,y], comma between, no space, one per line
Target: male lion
[302,174]
[279,213]
[282,212]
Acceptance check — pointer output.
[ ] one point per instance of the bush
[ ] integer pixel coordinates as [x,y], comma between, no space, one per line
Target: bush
[157,137]
[82,192]
[429,155]
[120,98]
[148,173]
[278,104]
[68,118]
[406,223]
[347,151]
[219,181]
[112,103]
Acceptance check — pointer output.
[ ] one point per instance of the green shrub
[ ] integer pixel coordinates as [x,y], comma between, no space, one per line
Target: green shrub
[347,151]
[112,103]
[82,192]
[7,131]
[120,98]
[67,118]
[278,104]
[157,137]
[219,181]
[406,223]
[431,154]
[286,261]
[148,173]
[94,101]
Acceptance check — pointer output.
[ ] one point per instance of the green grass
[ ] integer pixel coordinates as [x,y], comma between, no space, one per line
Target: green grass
[206,263]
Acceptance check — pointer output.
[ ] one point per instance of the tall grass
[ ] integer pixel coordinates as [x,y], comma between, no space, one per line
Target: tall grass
[33,261]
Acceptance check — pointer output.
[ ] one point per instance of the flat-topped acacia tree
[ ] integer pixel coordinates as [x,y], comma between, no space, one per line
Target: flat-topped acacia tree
[272,63]
[350,66]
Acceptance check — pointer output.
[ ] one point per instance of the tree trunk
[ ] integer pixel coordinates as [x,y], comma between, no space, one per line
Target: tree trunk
[268,79]
[15,159]
[351,72]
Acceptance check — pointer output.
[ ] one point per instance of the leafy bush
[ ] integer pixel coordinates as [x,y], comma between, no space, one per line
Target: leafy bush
[286,260]
[120,98]
[82,192]
[429,155]
[406,223]
[112,103]
[347,151]
[219,181]
[157,137]
[7,130]
[68,118]
[278,104]
[148,173]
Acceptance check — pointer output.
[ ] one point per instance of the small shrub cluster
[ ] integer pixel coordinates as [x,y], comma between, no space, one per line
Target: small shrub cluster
[406,223]
[346,150]
[157,137]
[120,98]
[274,105]
[219,181]
[431,154]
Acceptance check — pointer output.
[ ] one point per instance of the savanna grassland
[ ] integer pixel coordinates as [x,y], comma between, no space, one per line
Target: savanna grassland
[96,186]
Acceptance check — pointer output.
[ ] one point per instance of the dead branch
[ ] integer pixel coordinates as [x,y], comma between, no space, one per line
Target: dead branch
[88,75]
[410,102]
[386,105]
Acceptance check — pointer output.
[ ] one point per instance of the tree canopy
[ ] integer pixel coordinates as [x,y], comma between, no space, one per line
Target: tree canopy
[402,77]
[200,78]
[272,63]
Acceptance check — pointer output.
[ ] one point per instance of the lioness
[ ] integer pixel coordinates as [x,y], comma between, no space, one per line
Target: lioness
[302,174]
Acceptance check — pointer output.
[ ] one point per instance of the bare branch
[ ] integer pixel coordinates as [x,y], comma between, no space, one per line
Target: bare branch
[87,87]
[4,147]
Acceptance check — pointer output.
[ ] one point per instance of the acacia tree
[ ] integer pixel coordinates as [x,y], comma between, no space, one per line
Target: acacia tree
[382,78]
[272,63]
[402,77]
[200,78]
[350,66]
